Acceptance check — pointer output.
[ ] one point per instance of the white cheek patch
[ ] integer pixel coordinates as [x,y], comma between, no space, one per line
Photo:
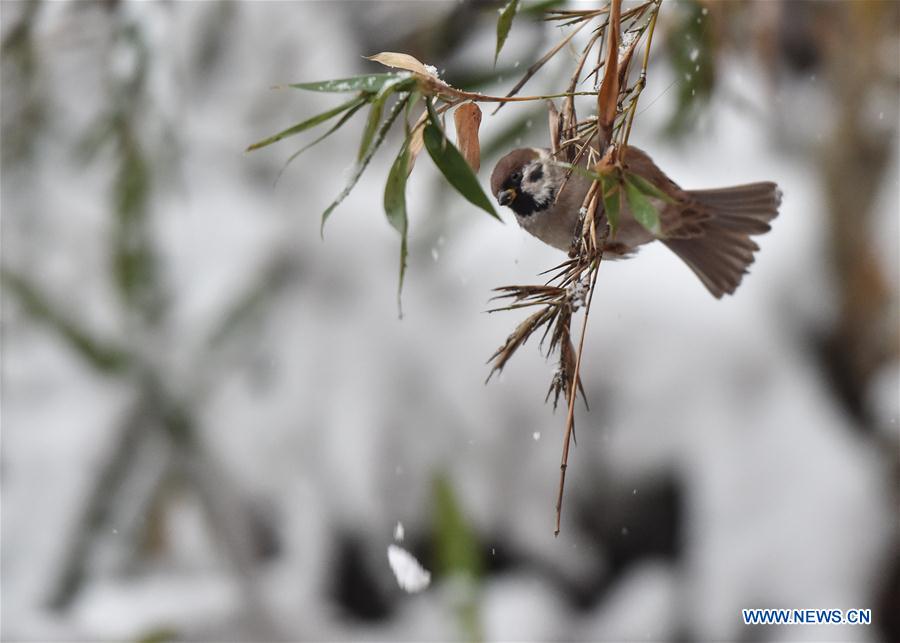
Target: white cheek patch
[542,190]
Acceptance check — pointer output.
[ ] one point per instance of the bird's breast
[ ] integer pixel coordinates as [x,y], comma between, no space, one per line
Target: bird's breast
[554,226]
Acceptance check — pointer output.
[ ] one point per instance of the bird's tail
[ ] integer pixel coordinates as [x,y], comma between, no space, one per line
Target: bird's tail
[721,254]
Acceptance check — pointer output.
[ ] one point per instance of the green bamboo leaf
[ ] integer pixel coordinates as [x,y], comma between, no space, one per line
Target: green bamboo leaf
[642,209]
[346,117]
[612,199]
[504,22]
[395,209]
[372,122]
[368,83]
[311,122]
[611,192]
[395,191]
[399,83]
[647,187]
[454,168]
[363,163]
[414,97]
[433,116]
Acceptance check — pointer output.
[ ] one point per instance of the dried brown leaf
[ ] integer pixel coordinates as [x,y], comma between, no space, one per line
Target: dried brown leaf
[555,126]
[467,118]
[518,337]
[608,97]
[401,61]
[416,143]
[428,81]
[523,292]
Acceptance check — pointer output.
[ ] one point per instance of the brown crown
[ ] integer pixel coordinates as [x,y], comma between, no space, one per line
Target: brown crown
[509,164]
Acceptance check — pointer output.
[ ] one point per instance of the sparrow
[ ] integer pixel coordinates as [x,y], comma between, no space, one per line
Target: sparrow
[709,230]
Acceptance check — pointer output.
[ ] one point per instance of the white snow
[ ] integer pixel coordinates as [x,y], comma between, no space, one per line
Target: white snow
[410,575]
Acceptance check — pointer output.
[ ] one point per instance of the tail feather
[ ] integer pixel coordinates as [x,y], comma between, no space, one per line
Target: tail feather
[745,225]
[721,254]
[740,194]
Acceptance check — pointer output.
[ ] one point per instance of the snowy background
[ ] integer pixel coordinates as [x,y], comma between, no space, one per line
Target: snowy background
[213,420]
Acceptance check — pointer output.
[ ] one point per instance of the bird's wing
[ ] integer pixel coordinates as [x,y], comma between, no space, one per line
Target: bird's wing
[682,219]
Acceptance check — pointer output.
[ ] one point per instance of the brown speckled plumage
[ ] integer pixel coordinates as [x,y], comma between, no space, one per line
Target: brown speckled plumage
[709,230]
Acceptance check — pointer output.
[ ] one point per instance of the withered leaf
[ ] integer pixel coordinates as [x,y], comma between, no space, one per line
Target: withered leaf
[609,89]
[467,118]
[401,61]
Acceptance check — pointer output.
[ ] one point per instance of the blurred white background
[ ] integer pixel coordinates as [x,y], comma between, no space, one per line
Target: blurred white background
[213,419]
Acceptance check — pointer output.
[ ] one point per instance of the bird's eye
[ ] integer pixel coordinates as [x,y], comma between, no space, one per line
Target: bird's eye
[516,176]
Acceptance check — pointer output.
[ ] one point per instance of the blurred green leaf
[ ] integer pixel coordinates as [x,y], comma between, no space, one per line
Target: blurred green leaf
[453,166]
[457,548]
[504,22]
[457,553]
[647,187]
[252,302]
[26,97]
[692,58]
[159,635]
[369,83]
[538,8]
[641,208]
[311,122]
[104,357]
[364,162]
[612,198]
[133,256]
[395,208]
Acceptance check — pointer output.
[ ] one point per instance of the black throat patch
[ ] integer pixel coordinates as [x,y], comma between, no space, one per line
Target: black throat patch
[525,204]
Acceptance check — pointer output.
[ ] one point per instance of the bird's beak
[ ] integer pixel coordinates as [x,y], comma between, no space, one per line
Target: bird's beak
[505,197]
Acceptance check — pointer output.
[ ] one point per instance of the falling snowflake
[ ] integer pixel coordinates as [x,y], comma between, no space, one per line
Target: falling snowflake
[410,575]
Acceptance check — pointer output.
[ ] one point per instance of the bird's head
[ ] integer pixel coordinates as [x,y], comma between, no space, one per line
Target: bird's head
[526,180]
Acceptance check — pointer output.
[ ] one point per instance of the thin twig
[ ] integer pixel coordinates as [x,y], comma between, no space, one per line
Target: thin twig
[540,63]
[570,417]
[643,79]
